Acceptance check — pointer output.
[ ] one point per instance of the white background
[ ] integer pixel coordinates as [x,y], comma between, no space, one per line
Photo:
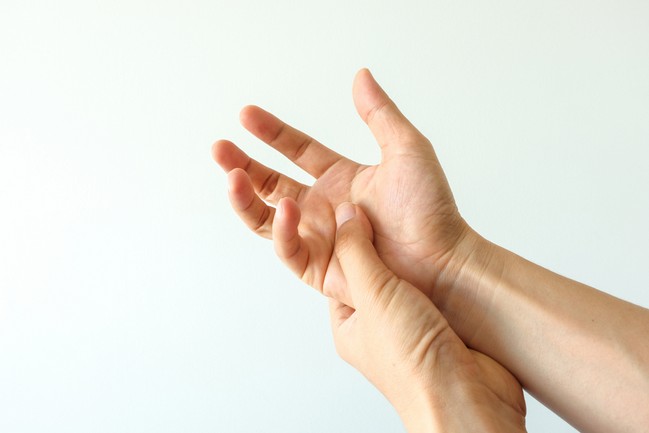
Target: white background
[133,300]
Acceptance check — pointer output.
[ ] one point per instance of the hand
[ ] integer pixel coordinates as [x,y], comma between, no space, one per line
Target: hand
[525,317]
[406,196]
[404,346]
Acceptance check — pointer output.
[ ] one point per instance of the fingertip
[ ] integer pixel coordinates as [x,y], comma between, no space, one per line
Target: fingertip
[246,112]
[236,174]
[228,155]
[253,118]
[239,188]
[259,122]
[367,93]
[288,215]
[283,210]
[218,150]
[348,211]
[344,212]
[286,238]
[364,74]
[214,149]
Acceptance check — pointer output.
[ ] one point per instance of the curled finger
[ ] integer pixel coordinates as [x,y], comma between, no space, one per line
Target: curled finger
[252,210]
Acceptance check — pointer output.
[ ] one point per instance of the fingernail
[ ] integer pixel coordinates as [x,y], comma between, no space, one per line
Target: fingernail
[344,212]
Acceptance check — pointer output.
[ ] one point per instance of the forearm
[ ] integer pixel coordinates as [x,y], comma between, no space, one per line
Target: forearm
[583,353]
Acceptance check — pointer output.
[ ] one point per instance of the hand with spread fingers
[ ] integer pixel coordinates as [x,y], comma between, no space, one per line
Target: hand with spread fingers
[396,337]
[525,317]
[406,196]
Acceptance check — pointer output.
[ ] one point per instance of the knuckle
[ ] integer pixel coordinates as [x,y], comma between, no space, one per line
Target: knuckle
[269,186]
[382,279]
[277,136]
[260,226]
[385,287]
[345,242]
[377,110]
[301,149]
[382,294]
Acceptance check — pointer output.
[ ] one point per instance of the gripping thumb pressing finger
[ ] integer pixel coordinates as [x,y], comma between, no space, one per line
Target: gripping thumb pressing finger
[368,279]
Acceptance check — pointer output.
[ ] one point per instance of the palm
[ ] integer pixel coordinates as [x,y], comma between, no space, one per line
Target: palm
[318,227]
[411,208]
[406,196]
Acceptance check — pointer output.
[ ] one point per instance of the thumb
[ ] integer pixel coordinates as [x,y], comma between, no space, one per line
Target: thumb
[367,276]
[391,129]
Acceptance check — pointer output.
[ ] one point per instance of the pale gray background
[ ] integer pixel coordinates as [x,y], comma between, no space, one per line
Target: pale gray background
[133,300]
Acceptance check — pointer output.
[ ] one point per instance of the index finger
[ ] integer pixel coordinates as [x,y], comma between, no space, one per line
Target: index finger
[307,153]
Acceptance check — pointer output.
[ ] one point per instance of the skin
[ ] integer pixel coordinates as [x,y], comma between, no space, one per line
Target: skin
[570,345]
[418,231]
[398,339]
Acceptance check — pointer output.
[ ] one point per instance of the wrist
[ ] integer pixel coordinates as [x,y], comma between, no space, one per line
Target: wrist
[421,414]
[459,406]
[465,288]
[434,407]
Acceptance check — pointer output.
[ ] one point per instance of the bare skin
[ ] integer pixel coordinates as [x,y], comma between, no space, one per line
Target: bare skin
[572,346]
[399,340]
[408,231]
